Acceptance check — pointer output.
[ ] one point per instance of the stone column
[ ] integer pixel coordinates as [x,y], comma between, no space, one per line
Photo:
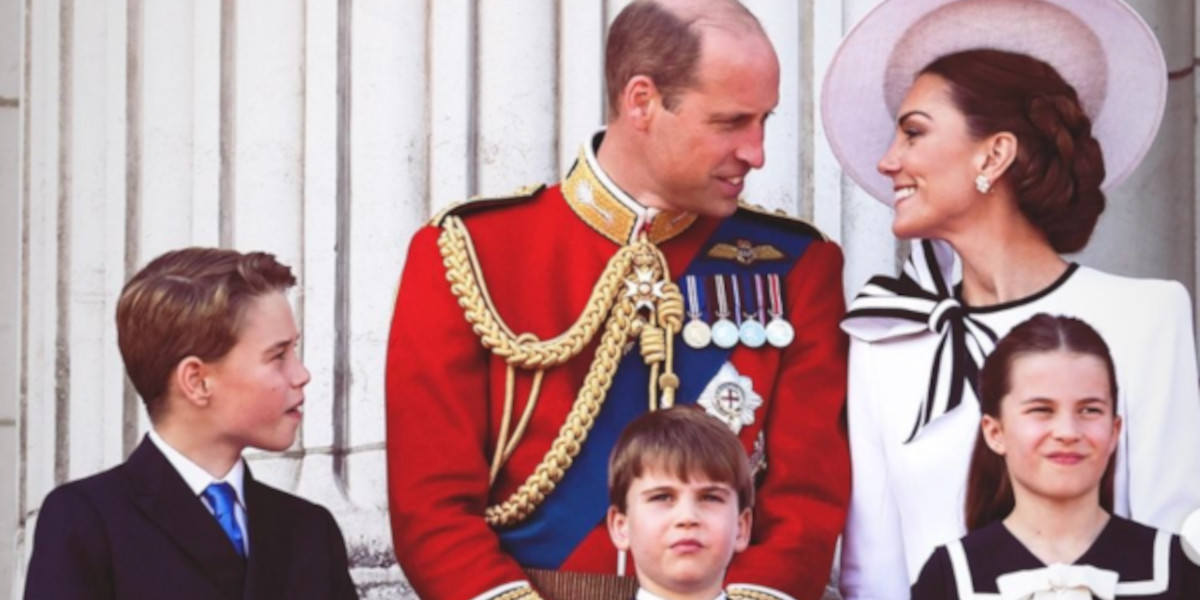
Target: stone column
[1148,228]
[11,37]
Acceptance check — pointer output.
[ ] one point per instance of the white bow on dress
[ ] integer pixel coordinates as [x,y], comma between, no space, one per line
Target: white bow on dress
[1059,582]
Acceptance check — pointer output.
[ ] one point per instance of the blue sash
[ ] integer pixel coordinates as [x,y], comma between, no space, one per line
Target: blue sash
[580,501]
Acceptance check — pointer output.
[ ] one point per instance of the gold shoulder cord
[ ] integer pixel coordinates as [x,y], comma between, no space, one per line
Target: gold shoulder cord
[633,297]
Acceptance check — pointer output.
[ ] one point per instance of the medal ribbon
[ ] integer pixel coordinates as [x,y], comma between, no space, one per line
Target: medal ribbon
[776,295]
[722,301]
[737,300]
[758,298]
[695,311]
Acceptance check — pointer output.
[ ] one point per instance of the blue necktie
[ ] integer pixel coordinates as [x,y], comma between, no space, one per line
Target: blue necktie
[222,499]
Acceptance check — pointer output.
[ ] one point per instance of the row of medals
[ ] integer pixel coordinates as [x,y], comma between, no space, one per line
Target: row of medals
[749,329]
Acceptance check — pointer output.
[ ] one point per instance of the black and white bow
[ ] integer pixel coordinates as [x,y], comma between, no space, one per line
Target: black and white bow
[923,299]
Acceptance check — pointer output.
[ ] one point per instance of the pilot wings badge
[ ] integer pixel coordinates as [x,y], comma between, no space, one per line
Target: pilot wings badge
[745,252]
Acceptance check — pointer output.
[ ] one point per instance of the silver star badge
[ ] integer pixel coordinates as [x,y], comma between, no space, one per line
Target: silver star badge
[730,397]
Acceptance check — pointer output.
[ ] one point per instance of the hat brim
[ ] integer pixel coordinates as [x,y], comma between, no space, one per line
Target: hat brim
[860,125]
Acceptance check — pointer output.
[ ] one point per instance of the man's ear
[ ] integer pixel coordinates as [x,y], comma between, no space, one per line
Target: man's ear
[639,101]
[618,528]
[745,524]
[192,378]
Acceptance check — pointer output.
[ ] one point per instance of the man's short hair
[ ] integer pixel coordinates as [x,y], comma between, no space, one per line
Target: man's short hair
[683,441]
[185,303]
[648,39]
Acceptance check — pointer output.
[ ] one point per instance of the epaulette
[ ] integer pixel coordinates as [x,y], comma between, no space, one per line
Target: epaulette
[782,215]
[480,202]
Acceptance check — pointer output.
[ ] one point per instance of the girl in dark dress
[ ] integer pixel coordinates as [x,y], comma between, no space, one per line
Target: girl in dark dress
[1040,488]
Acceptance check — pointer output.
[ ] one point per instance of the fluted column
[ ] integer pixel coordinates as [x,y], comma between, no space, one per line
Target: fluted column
[1148,228]
[10,273]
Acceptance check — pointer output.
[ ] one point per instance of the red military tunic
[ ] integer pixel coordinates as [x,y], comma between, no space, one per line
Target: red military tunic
[540,257]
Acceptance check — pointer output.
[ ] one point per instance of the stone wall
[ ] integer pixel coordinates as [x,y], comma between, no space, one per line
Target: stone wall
[327,131]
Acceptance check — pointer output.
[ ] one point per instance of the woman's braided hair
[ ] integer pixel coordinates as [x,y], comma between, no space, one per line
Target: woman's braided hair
[1059,165]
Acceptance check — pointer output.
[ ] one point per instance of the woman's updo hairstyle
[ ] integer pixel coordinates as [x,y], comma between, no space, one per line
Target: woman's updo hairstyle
[1059,165]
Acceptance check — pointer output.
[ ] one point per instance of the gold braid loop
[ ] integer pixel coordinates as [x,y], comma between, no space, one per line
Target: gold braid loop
[653,342]
[615,302]
[575,430]
[670,315]
[525,351]
[670,308]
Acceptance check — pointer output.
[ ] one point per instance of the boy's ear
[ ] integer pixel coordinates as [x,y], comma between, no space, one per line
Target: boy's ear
[745,524]
[191,378]
[618,528]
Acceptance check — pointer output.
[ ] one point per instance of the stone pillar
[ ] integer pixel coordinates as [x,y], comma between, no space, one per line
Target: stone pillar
[1148,228]
[11,105]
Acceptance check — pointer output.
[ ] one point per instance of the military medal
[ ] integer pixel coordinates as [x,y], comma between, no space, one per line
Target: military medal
[779,332]
[696,333]
[751,330]
[724,332]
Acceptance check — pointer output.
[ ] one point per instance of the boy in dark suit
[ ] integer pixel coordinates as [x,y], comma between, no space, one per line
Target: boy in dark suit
[681,501]
[209,341]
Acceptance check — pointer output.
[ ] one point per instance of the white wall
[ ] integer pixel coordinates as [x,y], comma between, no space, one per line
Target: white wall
[327,131]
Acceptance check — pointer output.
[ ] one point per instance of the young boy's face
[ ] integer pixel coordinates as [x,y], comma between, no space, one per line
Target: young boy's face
[258,386]
[682,534]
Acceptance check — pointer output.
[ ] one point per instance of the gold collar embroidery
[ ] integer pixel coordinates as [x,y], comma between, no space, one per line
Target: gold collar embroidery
[612,212]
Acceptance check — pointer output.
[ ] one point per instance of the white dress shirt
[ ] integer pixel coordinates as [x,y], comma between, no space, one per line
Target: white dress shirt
[198,480]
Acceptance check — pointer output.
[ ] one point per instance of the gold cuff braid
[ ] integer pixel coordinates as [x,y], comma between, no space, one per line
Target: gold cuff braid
[522,593]
[637,277]
[740,593]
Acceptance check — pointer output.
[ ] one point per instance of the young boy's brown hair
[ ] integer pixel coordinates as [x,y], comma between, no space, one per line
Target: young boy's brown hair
[684,441]
[189,302]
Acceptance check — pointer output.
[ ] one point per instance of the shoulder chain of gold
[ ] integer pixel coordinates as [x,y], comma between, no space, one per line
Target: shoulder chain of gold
[636,279]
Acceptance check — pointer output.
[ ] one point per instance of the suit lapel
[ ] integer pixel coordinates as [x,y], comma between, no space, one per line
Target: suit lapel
[270,541]
[163,496]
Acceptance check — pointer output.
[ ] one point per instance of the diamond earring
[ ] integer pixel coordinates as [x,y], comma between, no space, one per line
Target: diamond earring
[982,184]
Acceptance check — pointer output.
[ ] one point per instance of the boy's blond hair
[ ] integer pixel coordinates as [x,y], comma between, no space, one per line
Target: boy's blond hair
[683,441]
[188,302]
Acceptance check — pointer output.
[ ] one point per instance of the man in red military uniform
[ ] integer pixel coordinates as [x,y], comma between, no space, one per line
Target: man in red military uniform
[529,330]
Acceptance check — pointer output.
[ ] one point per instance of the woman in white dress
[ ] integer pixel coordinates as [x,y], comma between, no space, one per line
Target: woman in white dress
[1006,118]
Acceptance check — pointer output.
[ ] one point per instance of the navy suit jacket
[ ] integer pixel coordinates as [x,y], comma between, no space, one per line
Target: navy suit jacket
[137,531]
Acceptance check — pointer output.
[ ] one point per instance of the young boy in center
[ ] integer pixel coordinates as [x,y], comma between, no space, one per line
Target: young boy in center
[681,496]
[209,341]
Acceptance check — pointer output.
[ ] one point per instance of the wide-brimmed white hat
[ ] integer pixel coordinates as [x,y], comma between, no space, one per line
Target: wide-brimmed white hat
[1101,47]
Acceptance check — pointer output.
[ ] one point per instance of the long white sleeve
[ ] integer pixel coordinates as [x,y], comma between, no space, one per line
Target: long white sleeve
[873,565]
[1162,422]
